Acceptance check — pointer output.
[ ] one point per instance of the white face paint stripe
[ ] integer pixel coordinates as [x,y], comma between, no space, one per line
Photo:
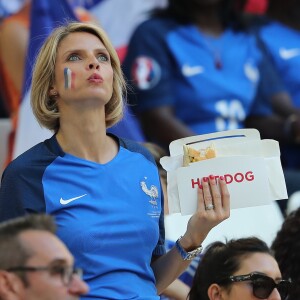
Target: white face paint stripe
[68,78]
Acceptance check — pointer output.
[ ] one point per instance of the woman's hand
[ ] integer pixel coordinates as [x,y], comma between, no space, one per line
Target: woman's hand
[213,208]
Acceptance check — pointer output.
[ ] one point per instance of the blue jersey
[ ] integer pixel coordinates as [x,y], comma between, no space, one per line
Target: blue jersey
[109,215]
[210,82]
[282,43]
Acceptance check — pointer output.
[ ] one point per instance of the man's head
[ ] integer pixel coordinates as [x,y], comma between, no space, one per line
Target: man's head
[34,263]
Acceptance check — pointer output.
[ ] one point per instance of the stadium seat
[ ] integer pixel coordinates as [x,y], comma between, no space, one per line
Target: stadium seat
[293,202]
[261,221]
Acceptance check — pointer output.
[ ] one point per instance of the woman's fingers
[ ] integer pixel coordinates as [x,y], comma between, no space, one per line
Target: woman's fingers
[208,198]
[213,208]
[225,196]
[214,195]
[201,204]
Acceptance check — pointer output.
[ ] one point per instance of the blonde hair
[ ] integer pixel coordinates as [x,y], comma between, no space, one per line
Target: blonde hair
[45,107]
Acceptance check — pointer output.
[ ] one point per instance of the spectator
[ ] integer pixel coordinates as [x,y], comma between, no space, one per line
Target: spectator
[286,250]
[280,32]
[107,189]
[14,35]
[239,269]
[209,83]
[34,263]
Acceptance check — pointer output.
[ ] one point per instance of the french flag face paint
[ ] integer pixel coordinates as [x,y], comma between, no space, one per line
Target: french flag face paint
[69,78]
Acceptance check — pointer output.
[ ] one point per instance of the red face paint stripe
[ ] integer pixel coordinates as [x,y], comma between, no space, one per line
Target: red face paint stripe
[72,79]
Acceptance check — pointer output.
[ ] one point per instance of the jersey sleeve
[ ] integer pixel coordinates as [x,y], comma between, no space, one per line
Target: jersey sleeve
[21,190]
[148,66]
[11,205]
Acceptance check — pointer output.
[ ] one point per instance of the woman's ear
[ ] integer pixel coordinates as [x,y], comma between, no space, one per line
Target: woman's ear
[214,292]
[53,92]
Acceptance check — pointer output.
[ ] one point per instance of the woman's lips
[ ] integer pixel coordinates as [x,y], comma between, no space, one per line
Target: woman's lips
[96,78]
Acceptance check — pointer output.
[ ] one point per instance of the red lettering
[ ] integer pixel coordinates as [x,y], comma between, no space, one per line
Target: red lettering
[228,178]
[238,175]
[249,176]
[198,183]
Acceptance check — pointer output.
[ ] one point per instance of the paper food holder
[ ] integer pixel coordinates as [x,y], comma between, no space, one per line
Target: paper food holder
[250,166]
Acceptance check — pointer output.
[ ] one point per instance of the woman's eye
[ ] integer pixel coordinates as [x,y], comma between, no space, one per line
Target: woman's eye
[103,57]
[73,57]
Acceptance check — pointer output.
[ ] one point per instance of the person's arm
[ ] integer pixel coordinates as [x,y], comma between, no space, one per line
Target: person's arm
[269,126]
[283,105]
[13,49]
[161,125]
[169,266]
[273,112]
[281,124]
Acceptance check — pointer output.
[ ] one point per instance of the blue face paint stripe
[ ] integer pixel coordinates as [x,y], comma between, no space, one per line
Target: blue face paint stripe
[66,77]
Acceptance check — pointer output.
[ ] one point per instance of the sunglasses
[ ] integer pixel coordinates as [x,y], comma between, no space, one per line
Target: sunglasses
[262,285]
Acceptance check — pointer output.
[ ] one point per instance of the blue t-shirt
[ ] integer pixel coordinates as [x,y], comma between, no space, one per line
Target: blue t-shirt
[210,82]
[109,215]
[282,44]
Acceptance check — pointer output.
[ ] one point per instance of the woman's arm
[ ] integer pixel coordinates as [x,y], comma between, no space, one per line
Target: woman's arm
[161,125]
[169,266]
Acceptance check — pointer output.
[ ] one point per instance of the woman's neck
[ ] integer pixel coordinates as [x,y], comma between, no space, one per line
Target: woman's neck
[85,137]
[208,22]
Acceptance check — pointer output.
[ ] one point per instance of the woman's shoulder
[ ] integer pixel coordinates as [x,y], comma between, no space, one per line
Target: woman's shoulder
[38,155]
[136,147]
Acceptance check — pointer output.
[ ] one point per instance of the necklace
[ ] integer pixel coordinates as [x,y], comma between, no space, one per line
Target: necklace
[214,45]
[217,60]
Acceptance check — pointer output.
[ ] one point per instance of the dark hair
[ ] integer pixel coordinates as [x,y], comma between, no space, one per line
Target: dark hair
[286,247]
[185,12]
[220,261]
[279,6]
[12,251]
[287,12]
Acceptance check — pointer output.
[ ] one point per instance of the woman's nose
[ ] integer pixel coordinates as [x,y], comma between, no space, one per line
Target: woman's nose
[275,295]
[94,65]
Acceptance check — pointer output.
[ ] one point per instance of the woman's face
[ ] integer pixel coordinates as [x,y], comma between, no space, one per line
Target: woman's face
[83,72]
[258,262]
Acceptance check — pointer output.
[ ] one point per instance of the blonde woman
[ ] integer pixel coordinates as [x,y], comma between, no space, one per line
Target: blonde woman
[104,191]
